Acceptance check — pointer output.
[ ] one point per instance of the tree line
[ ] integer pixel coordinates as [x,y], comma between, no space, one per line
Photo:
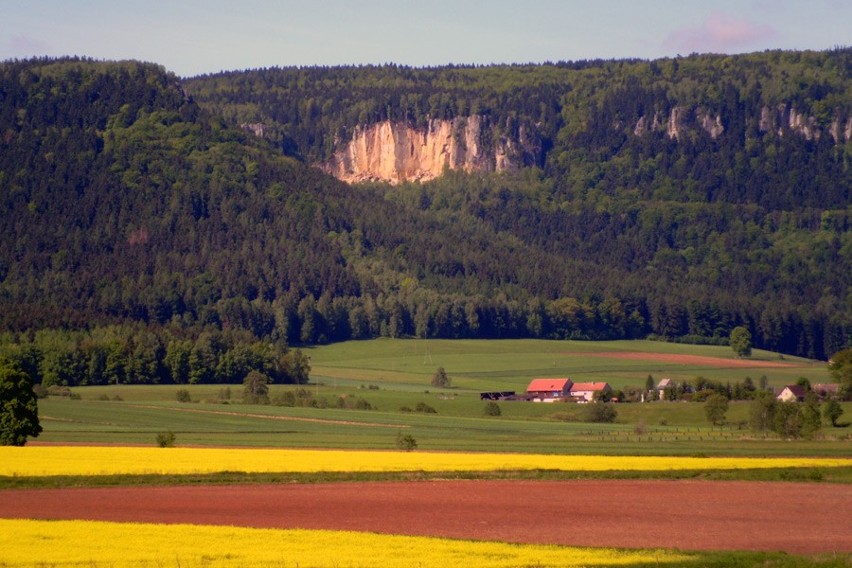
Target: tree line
[132,354]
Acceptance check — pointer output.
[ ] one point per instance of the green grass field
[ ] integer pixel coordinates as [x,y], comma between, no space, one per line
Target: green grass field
[491,365]
[392,375]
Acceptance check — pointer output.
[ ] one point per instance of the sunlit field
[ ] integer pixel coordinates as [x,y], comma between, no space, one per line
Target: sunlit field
[85,461]
[27,543]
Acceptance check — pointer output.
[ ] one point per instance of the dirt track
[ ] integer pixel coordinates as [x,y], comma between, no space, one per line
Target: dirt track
[696,515]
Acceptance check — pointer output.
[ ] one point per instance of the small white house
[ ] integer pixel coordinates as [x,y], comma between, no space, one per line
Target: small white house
[792,393]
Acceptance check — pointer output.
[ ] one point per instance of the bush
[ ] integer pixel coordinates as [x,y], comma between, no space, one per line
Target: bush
[166,439]
[182,395]
[441,379]
[425,408]
[492,409]
[601,412]
[406,442]
[57,390]
[359,403]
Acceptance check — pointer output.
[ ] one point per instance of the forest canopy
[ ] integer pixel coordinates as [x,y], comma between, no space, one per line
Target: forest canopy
[139,214]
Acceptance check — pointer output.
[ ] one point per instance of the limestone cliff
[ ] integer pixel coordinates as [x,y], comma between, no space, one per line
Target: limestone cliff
[395,152]
[783,120]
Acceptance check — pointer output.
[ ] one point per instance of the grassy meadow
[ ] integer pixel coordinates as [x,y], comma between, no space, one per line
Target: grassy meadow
[496,365]
[393,378]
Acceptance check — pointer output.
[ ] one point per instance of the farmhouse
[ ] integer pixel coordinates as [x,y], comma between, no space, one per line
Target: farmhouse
[792,393]
[549,390]
[586,392]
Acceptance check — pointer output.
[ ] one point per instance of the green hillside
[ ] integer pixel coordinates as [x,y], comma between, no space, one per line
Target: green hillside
[142,224]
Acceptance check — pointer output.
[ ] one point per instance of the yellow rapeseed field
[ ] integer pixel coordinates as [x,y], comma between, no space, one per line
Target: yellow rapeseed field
[29,461]
[27,543]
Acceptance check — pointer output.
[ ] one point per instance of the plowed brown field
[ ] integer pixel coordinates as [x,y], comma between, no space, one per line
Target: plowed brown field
[694,515]
[682,359]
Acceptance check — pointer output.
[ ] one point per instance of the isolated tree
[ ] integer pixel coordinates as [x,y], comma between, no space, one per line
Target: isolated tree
[18,405]
[440,378]
[715,408]
[832,412]
[740,341]
[256,388]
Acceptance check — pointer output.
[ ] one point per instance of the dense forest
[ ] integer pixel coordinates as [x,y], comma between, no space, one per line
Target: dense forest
[148,236]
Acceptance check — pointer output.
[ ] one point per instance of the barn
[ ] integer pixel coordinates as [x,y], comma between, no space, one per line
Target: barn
[548,390]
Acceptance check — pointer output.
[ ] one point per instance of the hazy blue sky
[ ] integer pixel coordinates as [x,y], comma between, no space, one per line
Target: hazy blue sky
[191,37]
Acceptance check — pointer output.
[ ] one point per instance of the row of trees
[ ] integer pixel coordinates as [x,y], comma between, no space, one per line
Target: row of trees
[142,355]
[790,419]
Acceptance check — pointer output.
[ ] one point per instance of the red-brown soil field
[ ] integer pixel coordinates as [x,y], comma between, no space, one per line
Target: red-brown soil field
[679,359]
[690,515]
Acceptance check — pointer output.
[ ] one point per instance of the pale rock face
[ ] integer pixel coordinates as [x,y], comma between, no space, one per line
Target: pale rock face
[641,126]
[711,125]
[675,123]
[395,152]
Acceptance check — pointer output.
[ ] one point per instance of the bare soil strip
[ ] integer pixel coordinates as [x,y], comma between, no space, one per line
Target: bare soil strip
[679,359]
[690,515]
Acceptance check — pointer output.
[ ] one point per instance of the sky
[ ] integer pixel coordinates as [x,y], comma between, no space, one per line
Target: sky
[193,37]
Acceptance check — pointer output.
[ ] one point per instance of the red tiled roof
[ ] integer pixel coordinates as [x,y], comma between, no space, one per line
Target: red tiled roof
[539,385]
[588,387]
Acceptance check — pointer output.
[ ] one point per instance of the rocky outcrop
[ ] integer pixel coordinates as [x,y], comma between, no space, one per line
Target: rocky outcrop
[783,120]
[786,119]
[679,122]
[395,152]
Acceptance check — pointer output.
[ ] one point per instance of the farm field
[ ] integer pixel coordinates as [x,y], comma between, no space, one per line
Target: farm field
[534,486]
[365,394]
[495,365]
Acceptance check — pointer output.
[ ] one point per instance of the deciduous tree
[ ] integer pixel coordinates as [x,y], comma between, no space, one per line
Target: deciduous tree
[715,408]
[740,341]
[18,405]
[832,411]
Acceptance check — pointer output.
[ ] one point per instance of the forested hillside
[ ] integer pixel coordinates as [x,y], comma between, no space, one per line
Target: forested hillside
[149,236]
